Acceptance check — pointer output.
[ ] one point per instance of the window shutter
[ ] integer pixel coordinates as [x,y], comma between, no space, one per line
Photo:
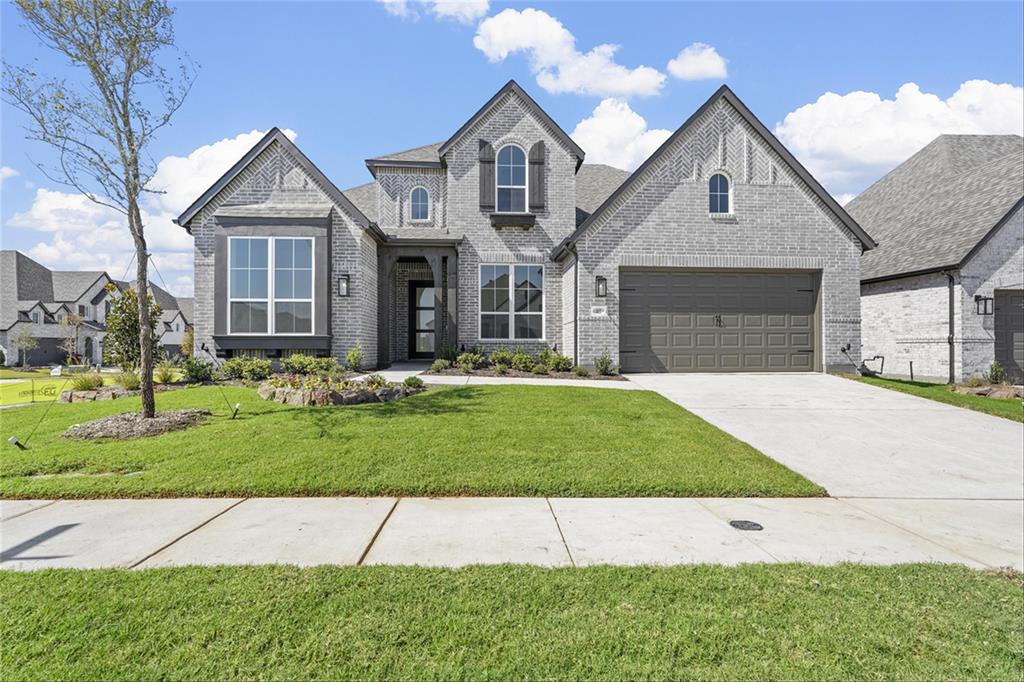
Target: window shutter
[486,176]
[537,177]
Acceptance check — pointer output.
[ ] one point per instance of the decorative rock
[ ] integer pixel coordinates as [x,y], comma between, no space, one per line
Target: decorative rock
[389,393]
[266,391]
[357,396]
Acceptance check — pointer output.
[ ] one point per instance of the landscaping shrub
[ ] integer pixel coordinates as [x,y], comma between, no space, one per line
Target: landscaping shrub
[374,381]
[440,365]
[604,364]
[298,363]
[88,381]
[413,382]
[500,356]
[560,363]
[233,368]
[539,369]
[522,361]
[467,362]
[164,373]
[354,358]
[996,373]
[500,369]
[581,371]
[196,371]
[256,369]
[128,380]
[447,353]
[546,357]
[324,367]
[975,382]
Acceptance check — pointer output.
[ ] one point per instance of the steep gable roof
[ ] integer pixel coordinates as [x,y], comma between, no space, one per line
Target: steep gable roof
[729,96]
[417,157]
[70,285]
[535,109]
[933,210]
[275,135]
[595,182]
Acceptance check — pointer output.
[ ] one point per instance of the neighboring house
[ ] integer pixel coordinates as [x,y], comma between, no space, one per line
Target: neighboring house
[945,288]
[720,253]
[37,300]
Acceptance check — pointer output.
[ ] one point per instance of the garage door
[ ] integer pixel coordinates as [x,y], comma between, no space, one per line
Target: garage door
[1009,332]
[674,321]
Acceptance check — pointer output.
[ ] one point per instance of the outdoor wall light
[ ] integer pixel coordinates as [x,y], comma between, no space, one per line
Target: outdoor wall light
[601,287]
[342,285]
[983,305]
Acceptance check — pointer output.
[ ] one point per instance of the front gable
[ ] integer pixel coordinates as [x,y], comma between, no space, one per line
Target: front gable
[723,136]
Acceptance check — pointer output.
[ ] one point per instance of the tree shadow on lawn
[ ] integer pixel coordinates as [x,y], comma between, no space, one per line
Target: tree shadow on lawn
[434,402]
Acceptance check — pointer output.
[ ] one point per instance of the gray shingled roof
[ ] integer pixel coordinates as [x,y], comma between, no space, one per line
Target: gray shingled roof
[425,154]
[365,199]
[166,300]
[316,210]
[69,286]
[595,182]
[934,208]
[185,305]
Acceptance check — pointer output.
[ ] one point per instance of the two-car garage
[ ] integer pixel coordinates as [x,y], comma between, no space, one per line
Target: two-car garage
[718,321]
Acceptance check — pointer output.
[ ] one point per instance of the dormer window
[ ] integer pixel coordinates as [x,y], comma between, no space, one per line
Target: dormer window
[511,180]
[419,204]
[718,195]
[35,317]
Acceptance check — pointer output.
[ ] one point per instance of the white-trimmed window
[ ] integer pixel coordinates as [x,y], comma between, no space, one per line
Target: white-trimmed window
[419,204]
[261,304]
[512,302]
[719,197]
[511,180]
[35,317]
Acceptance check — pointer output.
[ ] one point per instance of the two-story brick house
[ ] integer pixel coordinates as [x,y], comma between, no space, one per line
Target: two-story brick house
[720,253]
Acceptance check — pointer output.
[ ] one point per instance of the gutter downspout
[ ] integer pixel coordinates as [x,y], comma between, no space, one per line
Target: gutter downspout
[952,328]
[575,305]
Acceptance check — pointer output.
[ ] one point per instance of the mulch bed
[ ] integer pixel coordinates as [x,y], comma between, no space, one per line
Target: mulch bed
[132,425]
[489,372]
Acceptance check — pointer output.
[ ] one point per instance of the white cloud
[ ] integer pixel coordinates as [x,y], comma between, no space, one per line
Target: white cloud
[844,198]
[848,140]
[88,236]
[7,172]
[554,59]
[616,135]
[696,62]
[463,11]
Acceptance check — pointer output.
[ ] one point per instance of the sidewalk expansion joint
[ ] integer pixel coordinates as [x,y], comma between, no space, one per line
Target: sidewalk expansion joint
[188,532]
[29,511]
[362,557]
[560,533]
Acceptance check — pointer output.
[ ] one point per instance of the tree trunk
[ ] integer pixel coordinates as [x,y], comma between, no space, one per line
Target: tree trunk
[145,331]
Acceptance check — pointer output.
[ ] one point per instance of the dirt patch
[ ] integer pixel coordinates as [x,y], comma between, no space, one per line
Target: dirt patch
[132,425]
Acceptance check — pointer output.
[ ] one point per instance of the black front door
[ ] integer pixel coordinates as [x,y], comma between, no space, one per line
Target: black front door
[421,319]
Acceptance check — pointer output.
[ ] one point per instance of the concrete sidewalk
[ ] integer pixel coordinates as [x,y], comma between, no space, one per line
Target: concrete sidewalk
[542,531]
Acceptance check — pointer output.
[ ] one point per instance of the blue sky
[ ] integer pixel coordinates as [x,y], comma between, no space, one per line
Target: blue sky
[358,79]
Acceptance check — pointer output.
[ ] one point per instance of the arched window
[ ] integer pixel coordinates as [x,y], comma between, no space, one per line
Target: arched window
[419,204]
[511,178]
[718,194]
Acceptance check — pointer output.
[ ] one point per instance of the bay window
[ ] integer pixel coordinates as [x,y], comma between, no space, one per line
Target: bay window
[511,302]
[261,304]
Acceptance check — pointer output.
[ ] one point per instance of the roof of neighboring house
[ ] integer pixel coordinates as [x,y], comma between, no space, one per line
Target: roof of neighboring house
[729,96]
[934,209]
[25,283]
[185,305]
[165,298]
[70,285]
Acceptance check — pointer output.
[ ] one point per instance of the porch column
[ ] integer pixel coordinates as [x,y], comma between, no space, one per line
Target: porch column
[386,267]
[452,263]
[435,267]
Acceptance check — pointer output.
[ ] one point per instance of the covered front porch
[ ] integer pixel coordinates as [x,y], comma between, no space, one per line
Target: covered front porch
[418,285]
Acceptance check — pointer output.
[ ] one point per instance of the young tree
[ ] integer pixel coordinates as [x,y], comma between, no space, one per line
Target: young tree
[188,340]
[24,341]
[121,344]
[69,344]
[102,125]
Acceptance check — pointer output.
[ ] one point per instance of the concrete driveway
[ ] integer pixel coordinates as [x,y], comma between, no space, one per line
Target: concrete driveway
[858,440]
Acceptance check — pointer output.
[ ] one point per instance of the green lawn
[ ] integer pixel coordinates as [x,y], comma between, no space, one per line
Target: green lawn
[925,622]
[1008,409]
[467,440]
[41,389]
[18,373]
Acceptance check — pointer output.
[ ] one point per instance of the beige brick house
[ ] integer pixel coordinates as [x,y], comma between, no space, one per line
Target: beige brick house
[720,253]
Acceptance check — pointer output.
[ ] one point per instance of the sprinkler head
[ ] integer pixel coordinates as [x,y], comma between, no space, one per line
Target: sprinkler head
[13,440]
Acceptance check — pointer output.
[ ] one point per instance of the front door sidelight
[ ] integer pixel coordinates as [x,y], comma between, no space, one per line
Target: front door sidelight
[422,321]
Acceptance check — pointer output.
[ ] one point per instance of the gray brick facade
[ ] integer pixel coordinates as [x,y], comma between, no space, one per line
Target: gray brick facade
[777,223]
[662,220]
